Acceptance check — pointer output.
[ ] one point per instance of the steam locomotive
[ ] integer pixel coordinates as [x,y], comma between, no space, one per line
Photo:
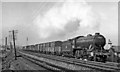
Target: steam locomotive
[90,47]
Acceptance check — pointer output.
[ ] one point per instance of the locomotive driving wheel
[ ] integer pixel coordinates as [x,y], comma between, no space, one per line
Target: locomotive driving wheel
[77,54]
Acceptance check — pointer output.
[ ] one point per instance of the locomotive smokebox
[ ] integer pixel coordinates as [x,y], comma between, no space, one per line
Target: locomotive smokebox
[99,40]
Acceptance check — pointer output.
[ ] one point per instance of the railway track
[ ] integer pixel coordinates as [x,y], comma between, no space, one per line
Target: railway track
[88,64]
[48,66]
[43,64]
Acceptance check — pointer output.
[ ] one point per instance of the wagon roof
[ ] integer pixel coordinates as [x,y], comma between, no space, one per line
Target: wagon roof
[74,38]
[50,42]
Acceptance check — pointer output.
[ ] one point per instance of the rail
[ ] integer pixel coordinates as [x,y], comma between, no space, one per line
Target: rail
[90,64]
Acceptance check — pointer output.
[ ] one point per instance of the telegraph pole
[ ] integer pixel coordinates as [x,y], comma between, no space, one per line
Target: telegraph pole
[5,43]
[13,32]
[13,37]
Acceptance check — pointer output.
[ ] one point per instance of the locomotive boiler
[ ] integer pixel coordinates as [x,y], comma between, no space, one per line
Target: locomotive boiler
[89,47]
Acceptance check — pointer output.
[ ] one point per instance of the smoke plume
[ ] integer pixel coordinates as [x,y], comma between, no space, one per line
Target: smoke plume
[65,18]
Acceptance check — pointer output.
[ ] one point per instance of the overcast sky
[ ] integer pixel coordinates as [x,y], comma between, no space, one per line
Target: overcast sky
[48,21]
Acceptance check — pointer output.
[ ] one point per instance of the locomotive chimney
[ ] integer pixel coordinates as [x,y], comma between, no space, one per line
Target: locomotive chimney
[97,33]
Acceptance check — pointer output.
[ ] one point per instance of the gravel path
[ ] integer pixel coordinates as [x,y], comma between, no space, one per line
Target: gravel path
[23,64]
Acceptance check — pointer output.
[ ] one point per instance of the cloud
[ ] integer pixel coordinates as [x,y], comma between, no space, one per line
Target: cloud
[66,18]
